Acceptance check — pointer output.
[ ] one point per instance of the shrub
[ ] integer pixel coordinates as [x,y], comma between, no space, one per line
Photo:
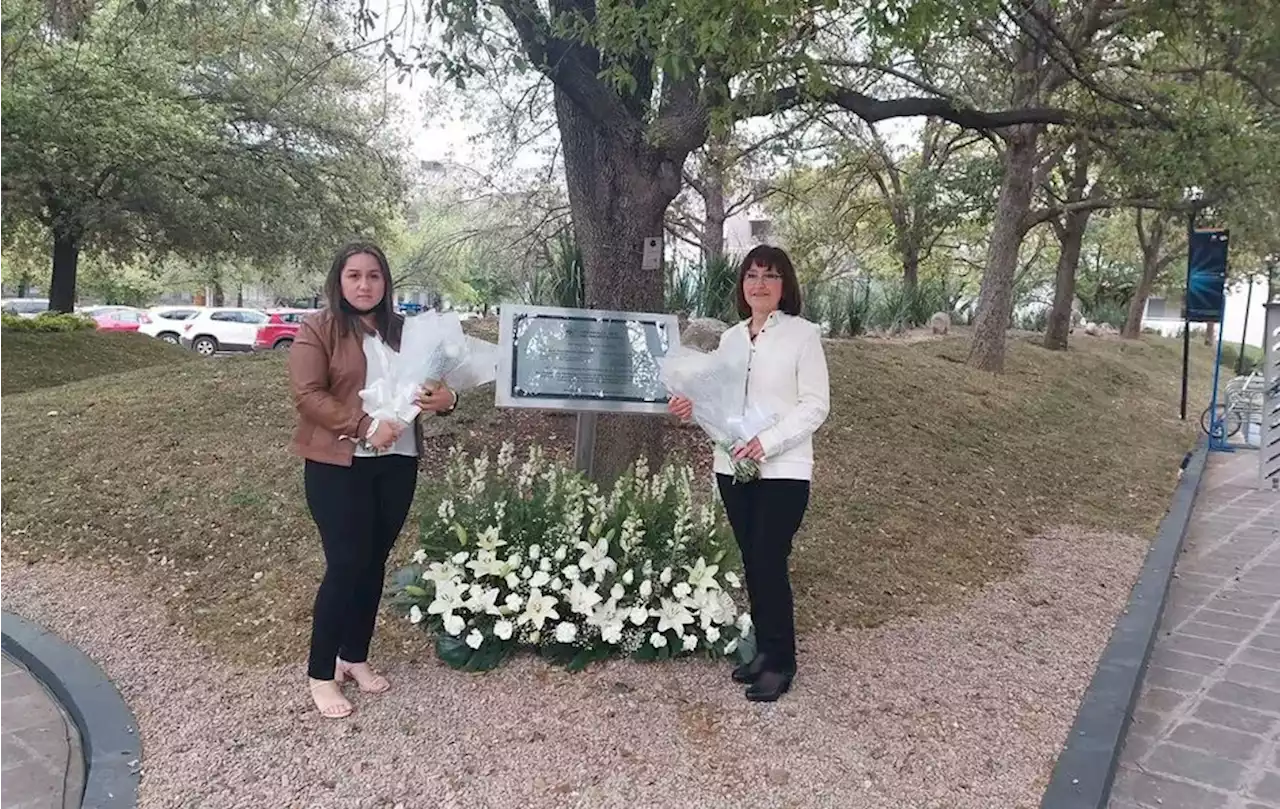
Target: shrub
[46,322]
[533,555]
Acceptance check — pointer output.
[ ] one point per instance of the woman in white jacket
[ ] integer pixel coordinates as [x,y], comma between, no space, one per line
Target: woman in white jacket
[786,376]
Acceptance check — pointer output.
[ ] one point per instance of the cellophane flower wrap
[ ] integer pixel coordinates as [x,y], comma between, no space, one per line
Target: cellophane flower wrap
[433,350]
[716,384]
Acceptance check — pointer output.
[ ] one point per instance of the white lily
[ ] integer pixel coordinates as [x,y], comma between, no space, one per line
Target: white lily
[539,609]
[441,571]
[460,557]
[488,539]
[540,579]
[582,599]
[419,556]
[482,601]
[672,615]
[595,558]
[448,597]
[703,576]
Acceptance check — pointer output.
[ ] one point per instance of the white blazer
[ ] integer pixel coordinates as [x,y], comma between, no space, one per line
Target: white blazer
[786,376]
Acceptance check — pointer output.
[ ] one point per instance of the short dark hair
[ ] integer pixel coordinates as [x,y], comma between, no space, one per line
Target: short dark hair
[776,259]
[348,321]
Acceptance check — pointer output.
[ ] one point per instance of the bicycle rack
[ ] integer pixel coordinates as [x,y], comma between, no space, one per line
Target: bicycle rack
[1269,450]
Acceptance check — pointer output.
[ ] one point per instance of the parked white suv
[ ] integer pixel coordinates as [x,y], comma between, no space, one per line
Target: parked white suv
[214,330]
[166,322]
[25,307]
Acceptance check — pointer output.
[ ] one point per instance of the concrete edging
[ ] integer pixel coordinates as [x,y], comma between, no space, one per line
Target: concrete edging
[1087,765]
[108,729]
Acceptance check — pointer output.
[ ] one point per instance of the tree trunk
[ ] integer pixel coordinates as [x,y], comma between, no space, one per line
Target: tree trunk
[712,237]
[219,295]
[910,266]
[1138,303]
[66,258]
[618,196]
[995,301]
[24,285]
[1064,285]
[239,297]
[1210,333]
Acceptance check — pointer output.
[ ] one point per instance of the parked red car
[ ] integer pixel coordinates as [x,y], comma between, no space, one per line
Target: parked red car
[117,318]
[280,329]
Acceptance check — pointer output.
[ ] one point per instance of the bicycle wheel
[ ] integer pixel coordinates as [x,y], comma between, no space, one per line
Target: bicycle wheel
[1227,423]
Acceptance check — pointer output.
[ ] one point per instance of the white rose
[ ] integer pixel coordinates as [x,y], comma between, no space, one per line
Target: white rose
[561,553]
[690,642]
[638,615]
[540,579]
[512,580]
[572,573]
[665,578]
[682,590]
[557,585]
[658,640]
[713,634]
[628,578]
[475,638]
[534,552]
[566,632]
[617,592]
[504,629]
[744,622]
[514,603]
[646,588]
[453,624]
[544,565]
[526,573]
[415,615]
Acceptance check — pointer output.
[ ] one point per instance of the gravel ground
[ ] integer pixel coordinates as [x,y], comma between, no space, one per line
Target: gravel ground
[965,707]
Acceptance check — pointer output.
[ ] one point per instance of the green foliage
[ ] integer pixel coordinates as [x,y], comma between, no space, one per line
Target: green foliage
[704,288]
[565,272]
[47,322]
[226,128]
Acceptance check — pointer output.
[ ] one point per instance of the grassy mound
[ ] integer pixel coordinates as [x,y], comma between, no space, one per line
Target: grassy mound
[931,476]
[35,360]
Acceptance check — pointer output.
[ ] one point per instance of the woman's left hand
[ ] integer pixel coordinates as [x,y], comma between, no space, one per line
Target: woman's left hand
[436,401]
[751,449]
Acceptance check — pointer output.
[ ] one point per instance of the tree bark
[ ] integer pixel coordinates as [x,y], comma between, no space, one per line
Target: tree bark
[1071,240]
[713,189]
[24,285]
[995,301]
[1154,260]
[66,259]
[1064,285]
[618,196]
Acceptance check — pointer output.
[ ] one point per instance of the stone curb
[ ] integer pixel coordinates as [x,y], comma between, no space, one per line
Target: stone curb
[1087,765]
[108,730]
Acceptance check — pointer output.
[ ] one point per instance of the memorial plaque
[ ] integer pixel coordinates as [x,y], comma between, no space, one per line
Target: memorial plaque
[583,360]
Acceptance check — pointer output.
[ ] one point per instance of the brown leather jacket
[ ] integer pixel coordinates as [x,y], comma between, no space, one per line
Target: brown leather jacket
[326,375]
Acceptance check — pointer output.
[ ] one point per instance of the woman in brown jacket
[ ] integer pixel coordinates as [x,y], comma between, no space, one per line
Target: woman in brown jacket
[360,474]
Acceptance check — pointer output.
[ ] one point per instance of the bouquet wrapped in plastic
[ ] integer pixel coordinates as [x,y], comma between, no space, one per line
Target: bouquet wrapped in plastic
[433,350]
[715,383]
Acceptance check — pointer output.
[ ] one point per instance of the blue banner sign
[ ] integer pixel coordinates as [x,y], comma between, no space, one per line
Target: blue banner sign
[1206,276]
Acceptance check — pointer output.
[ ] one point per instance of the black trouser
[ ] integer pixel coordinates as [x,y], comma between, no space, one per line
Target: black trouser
[359,510]
[765,515]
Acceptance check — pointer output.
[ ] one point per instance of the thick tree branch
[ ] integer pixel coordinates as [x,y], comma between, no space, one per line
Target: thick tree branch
[555,58]
[873,110]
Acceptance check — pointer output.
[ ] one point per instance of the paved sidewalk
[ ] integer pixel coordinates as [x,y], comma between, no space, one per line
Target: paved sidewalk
[43,765]
[1206,730]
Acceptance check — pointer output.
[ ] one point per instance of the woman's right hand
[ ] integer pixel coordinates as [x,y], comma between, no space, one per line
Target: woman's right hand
[385,435]
[680,407]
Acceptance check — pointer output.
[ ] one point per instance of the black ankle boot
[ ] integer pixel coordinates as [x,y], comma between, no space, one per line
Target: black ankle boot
[770,685]
[748,672]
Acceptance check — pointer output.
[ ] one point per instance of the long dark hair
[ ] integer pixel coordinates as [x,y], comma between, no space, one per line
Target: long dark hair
[347,318]
[776,259]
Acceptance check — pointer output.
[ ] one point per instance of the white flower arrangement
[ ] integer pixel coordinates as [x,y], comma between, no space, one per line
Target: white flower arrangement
[532,555]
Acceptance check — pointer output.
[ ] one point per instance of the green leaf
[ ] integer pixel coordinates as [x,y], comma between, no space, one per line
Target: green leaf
[461,533]
[453,651]
[415,590]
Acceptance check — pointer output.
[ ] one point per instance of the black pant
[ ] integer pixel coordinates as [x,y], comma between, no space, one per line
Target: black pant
[765,515]
[359,510]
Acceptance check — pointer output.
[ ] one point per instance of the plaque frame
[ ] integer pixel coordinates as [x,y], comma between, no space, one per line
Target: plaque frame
[505,397]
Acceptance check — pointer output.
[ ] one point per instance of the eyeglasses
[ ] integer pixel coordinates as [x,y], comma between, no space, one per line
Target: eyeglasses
[768,277]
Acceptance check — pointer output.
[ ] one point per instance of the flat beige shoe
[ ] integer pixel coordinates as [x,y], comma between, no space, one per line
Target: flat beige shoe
[329,700]
[368,680]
